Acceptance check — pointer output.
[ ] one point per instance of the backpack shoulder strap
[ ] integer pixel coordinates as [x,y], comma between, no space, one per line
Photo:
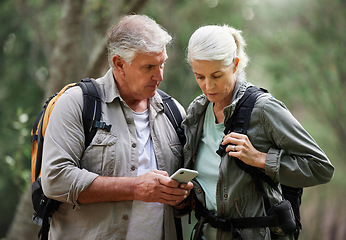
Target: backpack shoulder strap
[173,114]
[239,123]
[241,117]
[91,118]
[91,110]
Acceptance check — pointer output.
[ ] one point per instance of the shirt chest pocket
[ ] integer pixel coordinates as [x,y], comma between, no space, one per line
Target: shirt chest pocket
[100,157]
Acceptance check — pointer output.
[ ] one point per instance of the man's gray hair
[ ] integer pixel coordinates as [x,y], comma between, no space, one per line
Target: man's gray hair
[218,43]
[135,34]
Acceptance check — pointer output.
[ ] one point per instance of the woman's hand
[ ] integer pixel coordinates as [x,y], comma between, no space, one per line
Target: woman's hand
[241,148]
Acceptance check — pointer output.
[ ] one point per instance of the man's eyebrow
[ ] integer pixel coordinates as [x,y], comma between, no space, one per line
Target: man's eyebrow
[155,64]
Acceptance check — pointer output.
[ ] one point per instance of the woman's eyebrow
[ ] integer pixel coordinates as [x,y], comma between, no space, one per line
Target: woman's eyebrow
[198,73]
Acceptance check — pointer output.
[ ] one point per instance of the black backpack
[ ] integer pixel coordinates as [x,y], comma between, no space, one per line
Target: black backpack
[44,207]
[286,213]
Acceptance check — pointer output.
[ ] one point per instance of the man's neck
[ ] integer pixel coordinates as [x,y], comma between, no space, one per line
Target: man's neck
[138,106]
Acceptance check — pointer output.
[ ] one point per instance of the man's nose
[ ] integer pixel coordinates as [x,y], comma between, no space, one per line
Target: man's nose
[158,75]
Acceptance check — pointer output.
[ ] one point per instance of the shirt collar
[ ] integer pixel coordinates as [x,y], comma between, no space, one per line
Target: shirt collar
[111,91]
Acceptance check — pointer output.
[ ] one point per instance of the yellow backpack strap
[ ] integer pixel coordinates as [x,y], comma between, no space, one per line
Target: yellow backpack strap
[38,132]
[51,106]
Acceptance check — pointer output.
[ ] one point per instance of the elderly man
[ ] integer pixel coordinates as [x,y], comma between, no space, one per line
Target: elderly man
[119,186]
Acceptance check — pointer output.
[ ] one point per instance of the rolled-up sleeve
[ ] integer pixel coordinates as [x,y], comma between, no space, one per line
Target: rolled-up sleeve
[296,160]
[273,162]
[62,176]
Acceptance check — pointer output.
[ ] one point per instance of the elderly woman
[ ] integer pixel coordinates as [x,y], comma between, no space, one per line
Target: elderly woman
[275,145]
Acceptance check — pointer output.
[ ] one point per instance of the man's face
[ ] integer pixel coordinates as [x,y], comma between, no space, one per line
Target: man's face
[144,74]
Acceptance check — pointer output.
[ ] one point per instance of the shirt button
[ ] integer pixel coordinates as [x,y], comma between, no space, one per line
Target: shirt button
[133,145]
[128,121]
[125,217]
[188,147]
[199,190]
[225,195]
[133,168]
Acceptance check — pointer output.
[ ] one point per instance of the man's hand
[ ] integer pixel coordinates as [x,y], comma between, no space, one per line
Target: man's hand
[157,186]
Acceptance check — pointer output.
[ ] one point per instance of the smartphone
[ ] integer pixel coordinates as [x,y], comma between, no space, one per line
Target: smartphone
[184,175]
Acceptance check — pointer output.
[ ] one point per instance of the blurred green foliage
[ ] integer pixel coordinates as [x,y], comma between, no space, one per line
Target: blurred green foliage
[20,97]
[297,51]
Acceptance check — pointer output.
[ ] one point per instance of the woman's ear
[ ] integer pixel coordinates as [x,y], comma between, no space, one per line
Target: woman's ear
[236,62]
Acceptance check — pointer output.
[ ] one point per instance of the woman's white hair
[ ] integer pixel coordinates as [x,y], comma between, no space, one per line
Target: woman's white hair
[136,34]
[218,43]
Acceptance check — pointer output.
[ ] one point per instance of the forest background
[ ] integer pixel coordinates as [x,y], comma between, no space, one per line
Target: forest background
[297,51]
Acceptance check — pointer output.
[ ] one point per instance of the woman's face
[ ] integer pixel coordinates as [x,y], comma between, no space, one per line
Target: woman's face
[215,80]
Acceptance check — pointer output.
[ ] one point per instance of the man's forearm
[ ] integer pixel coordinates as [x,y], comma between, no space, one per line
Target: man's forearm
[153,186]
[108,189]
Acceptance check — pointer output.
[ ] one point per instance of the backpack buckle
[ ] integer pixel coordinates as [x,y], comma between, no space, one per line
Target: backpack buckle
[102,125]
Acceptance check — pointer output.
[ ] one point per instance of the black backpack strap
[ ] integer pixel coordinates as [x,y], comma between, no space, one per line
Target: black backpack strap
[240,119]
[239,123]
[34,136]
[39,146]
[91,110]
[173,114]
[51,207]
[229,224]
[294,196]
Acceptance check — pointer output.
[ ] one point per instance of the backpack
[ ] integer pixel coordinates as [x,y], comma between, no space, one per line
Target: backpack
[44,207]
[286,211]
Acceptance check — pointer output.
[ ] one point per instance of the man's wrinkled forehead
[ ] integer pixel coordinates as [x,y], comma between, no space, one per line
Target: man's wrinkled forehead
[152,58]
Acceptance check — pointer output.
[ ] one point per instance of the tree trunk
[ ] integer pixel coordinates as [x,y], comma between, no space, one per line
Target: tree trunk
[22,227]
[65,58]
[62,69]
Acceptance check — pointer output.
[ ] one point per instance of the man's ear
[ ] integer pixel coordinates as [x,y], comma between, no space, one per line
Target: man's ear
[118,64]
[236,62]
